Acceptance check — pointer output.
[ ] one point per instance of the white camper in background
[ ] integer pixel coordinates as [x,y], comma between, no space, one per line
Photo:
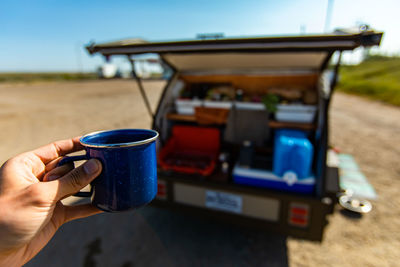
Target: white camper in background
[108,71]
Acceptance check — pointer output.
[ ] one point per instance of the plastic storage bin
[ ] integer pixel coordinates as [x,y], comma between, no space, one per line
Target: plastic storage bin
[250,105]
[295,113]
[192,150]
[293,155]
[218,104]
[187,106]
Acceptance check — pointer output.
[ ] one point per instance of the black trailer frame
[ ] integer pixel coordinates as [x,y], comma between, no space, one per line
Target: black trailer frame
[280,205]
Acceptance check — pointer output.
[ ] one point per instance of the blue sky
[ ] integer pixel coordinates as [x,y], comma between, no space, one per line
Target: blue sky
[50,35]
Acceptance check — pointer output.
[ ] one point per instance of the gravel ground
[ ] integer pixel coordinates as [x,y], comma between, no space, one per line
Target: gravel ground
[35,114]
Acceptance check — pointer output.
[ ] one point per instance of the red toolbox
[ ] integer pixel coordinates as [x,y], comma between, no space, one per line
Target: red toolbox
[191,150]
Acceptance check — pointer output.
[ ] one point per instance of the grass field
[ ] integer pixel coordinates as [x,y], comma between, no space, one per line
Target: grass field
[377,78]
[45,76]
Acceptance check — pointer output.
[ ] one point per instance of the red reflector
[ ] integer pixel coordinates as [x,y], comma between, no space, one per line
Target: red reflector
[298,214]
[295,220]
[299,211]
[161,189]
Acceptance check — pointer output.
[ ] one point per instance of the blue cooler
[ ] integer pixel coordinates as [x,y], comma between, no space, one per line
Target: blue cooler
[293,155]
[267,179]
[292,162]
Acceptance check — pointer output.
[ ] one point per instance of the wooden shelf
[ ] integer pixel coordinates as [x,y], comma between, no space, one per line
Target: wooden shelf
[180,117]
[293,125]
[272,123]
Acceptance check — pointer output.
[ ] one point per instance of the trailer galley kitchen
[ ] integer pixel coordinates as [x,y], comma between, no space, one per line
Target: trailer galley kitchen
[243,126]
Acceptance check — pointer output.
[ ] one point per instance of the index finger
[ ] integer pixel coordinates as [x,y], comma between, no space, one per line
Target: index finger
[57,149]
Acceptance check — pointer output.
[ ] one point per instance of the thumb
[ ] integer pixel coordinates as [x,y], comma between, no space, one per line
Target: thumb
[78,178]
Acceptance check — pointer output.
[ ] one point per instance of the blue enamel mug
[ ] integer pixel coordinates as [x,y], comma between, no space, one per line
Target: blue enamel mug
[129,176]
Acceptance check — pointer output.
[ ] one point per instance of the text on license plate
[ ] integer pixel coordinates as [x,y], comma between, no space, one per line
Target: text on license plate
[223,201]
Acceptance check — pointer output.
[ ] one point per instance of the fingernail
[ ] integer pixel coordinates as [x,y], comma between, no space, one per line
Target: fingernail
[91,166]
[52,177]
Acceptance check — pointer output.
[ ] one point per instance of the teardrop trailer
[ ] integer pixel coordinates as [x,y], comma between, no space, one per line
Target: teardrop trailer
[244,127]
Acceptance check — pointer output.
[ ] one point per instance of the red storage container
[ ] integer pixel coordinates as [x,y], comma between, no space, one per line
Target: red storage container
[191,150]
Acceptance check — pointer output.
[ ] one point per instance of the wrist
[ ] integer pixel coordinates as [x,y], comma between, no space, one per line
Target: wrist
[9,254]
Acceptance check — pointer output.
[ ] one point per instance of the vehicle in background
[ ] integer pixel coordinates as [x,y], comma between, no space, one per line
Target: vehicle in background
[108,71]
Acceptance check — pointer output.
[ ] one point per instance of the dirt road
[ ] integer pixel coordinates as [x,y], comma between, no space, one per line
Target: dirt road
[36,114]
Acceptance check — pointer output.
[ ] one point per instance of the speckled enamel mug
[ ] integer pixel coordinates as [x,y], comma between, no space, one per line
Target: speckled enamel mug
[129,176]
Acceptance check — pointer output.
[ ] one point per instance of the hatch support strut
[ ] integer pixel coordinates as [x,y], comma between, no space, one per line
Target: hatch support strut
[140,85]
[335,77]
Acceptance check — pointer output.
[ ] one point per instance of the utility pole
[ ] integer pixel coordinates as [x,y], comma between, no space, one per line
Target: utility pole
[79,58]
[328,16]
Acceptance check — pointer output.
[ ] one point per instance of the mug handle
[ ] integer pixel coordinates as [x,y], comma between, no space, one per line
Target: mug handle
[66,160]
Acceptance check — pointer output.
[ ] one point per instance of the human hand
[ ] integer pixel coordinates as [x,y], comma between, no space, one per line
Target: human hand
[31,187]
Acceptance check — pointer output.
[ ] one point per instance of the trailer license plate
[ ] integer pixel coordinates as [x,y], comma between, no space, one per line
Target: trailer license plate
[223,201]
